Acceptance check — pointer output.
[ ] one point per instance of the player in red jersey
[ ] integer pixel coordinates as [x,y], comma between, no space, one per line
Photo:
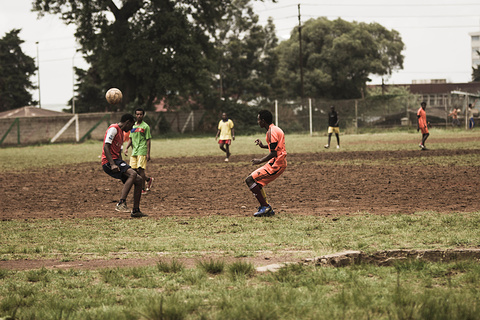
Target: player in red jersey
[114,166]
[275,166]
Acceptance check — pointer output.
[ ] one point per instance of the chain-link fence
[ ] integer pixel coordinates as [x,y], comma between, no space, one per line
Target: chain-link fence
[354,115]
[362,115]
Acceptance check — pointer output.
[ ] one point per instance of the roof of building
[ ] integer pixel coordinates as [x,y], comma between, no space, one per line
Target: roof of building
[29,112]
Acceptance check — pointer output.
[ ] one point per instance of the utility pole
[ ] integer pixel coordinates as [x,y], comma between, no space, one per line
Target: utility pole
[301,59]
[38,75]
[73,81]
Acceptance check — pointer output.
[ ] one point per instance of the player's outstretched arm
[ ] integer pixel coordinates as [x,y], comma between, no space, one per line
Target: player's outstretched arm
[260,144]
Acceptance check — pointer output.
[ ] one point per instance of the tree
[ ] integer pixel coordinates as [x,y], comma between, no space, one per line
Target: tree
[476,72]
[392,99]
[150,49]
[91,96]
[246,56]
[16,69]
[338,57]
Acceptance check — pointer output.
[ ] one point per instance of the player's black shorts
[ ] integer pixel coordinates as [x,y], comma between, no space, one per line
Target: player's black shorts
[120,174]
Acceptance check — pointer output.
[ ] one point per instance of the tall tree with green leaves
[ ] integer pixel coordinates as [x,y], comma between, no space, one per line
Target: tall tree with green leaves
[16,70]
[150,49]
[338,58]
[476,72]
[246,56]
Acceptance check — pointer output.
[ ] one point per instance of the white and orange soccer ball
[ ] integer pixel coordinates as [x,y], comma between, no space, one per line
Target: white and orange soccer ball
[114,96]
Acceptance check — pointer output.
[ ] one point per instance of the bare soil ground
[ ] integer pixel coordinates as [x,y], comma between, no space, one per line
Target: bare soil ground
[202,186]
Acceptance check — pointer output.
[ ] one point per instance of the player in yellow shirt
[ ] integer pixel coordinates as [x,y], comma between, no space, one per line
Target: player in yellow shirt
[227,134]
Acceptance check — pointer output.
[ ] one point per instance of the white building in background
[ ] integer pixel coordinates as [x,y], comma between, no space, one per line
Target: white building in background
[475,36]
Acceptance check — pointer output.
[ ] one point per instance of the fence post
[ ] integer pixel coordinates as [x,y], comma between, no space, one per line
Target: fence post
[356,116]
[310,115]
[65,127]
[190,118]
[276,113]
[77,128]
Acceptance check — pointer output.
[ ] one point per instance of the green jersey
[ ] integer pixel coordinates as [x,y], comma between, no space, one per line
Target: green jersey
[139,134]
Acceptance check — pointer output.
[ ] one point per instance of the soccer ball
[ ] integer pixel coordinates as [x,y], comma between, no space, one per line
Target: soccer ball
[114,96]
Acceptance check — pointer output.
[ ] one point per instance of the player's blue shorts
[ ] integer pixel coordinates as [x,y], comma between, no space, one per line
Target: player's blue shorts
[122,165]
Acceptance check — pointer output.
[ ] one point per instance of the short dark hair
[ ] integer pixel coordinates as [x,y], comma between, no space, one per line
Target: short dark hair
[423,103]
[126,117]
[266,115]
[140,109]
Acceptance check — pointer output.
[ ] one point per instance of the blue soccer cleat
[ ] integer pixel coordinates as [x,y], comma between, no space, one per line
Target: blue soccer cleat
[264,211]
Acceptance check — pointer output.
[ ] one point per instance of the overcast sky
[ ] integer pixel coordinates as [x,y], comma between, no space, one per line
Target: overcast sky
[435,33]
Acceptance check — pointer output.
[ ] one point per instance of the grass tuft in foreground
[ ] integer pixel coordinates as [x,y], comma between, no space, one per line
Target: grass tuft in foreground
[212,266]
[173,266]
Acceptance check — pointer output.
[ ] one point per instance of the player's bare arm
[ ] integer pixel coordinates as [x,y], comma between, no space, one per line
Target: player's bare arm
[148,149]
[108,155]
[129,143]
[260,144]
[269,156]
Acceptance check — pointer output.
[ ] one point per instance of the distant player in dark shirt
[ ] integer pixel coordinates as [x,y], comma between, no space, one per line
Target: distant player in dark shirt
[333,127]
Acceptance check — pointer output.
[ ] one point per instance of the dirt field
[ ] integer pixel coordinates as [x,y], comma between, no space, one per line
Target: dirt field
[311,185]
[208,186]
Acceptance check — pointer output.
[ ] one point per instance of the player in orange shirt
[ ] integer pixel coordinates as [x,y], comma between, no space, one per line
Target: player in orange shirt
[275,166]
[422,124]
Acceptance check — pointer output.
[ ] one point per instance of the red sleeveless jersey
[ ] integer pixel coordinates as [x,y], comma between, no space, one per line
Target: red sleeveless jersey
[114,136]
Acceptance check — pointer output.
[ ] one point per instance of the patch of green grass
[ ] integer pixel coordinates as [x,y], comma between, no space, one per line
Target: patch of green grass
[410,289]
[40,275]
[170,307]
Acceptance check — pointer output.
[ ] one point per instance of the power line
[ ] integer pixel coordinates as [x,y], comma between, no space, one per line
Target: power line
[390,5]
[376,17]
[401,17]
[276,8]
[407,27]
[273,7]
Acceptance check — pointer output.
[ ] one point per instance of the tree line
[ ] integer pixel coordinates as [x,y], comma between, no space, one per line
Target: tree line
[202,54]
